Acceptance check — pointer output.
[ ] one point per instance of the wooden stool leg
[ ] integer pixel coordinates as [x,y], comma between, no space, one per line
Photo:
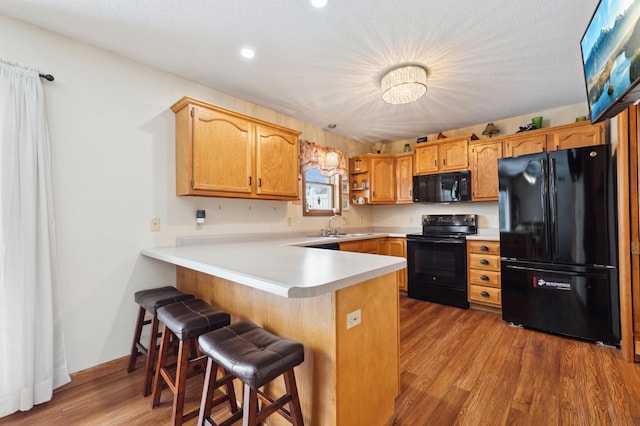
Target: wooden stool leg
[162,359]
[136,338]
[231,394]
[294,404]
[151,356]
[181,382]
[250,406]
[207,392]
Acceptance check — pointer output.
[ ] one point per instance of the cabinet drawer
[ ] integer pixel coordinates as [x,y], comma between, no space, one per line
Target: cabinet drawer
[484,278]
[484,261]
[488,247]
[485,295]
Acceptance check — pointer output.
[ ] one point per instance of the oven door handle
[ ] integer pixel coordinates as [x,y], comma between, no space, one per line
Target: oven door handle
[437,240]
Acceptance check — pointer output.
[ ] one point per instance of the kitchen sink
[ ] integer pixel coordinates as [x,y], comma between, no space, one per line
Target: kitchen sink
[350,235]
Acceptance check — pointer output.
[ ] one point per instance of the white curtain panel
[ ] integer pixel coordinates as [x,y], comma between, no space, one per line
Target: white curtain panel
[32,354]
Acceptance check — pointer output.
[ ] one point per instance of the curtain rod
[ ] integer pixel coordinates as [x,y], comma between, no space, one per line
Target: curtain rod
[47,77]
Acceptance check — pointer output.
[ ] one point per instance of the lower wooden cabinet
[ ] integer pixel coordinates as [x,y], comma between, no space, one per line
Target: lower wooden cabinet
[483,276]
[390,246]
[397,247]
[371,246]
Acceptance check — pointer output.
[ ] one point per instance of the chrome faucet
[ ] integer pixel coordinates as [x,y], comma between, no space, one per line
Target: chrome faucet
[335,231]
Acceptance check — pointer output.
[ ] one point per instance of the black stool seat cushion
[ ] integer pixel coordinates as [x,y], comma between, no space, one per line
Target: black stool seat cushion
[189,319]
[251,353]
[154,298]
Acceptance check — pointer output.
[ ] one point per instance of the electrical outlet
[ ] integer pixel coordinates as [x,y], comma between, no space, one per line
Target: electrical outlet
[155,224]
[354,318]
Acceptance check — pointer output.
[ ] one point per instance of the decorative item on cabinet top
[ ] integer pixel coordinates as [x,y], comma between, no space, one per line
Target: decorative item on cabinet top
[222,153]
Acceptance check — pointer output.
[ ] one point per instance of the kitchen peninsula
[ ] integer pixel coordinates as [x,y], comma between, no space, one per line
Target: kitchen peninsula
[350,375]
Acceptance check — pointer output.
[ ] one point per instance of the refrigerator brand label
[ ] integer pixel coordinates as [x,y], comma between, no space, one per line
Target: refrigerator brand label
[552,283]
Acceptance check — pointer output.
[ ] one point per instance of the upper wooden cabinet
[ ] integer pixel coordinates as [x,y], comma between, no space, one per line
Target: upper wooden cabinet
[222,153]
[525,143]
[445,155]
[576,136]
[484,154]
[381,178]
[484,169]
[404,178]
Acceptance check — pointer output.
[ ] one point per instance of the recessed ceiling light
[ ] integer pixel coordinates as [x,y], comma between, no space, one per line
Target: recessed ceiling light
[247,53]
[319,3]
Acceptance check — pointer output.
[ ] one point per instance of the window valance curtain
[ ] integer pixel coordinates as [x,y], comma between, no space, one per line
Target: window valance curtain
[314,156]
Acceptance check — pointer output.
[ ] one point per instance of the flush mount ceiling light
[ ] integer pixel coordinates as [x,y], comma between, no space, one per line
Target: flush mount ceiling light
[403,85]
[247,52]
[319,3]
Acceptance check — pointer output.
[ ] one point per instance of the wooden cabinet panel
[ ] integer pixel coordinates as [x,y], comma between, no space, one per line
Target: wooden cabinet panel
[484,261]
[525,144]
[578,136]
[397,247]
[404,178]
[222,153]
[276,151]
[383,180]
[485,278]
[371,246]
[484,170]
[454,156]
[484,247]
[426,159]
[485,295]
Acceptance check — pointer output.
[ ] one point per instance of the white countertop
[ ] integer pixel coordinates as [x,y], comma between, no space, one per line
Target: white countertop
[486,234]
[279,264]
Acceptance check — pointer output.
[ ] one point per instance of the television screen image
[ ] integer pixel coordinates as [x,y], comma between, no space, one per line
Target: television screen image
[611,57]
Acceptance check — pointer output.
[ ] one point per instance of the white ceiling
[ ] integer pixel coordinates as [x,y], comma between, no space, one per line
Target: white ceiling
[486,60]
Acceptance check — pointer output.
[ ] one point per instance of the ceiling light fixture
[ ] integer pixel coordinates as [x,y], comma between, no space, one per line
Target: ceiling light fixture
[319,3]
[403,85]
[247,53]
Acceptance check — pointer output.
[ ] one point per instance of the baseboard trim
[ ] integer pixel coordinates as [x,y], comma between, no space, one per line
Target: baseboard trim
[101,370]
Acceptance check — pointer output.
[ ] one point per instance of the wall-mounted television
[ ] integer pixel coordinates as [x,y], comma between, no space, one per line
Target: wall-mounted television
[611,58]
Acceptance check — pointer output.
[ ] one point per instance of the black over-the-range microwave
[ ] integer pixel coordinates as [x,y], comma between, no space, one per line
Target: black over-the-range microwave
[442,187]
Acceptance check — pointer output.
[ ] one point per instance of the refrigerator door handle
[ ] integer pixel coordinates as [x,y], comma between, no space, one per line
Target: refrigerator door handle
[529,268]
[545,208]
[553,203]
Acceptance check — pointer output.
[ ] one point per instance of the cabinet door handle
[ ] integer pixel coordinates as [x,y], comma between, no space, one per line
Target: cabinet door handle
[484,294]
[484,262]
[484,248]
[259,182]
[435,163]
[249,180]
[484,278]
[444,161]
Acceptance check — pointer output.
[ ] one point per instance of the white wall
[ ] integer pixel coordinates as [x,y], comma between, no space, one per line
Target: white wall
[112,136]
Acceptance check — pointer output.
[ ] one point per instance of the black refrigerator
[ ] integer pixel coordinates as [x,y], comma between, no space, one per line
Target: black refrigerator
[558,243]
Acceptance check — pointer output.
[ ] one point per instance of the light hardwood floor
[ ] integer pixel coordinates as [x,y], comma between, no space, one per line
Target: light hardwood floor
[457,367]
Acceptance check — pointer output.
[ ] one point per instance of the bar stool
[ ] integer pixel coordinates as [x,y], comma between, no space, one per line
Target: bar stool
[186,320]
[149,301]
[256,357]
